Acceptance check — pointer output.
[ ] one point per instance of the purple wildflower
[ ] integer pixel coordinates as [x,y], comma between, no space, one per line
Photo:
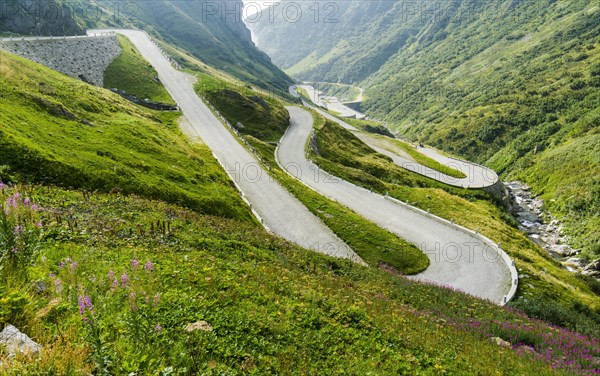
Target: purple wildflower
[14,251]
[2,185]
[26,201]
[74,265]
[149,266]
[124,279]
[85,303]
[18,230]
[81,305]
[135,263]
[10,203]
[158,328]
[39,224]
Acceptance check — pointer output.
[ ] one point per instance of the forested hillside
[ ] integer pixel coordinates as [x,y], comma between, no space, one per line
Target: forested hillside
[512,84]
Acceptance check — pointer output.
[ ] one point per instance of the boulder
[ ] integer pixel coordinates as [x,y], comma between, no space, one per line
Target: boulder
[576,261]
[200,325]
[17,343]
[593,266]
[525,348]
[500,342]
[561,250]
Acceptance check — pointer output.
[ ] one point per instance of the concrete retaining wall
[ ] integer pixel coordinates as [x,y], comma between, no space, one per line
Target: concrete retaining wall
[85,57]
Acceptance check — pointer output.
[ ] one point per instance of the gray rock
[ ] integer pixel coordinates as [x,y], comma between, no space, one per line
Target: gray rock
[16,342]
[500,342]
[576,261]
[529,217]
[562,250]
[593,266]
[592,273]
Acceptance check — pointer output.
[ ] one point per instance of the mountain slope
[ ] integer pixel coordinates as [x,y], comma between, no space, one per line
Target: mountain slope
[58,130]
[343,41]
[212,32]
[507,83]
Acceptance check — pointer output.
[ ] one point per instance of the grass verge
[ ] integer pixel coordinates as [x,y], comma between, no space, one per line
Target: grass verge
[131,73]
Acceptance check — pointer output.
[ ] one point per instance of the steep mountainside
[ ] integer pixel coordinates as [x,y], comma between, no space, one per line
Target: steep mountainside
[513,84]
[343,41]
[212,31]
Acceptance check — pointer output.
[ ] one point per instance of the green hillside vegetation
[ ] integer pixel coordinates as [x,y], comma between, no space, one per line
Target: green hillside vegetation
[131,73]
[61,131]
[514,119]
[545,290]
[425,160]
[146,261]
[370,126]
[124,278]
[303,93]
[512,84]
[336,146]
[250,111]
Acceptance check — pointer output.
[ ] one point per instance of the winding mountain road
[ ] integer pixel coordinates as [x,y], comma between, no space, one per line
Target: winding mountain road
[458,259]
[282,213]
[477,176]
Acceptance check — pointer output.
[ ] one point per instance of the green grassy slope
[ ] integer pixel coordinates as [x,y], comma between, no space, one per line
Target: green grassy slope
[343,92]
[544,282]
[131,73]
[387,141]
[251,112]
[62,131]
[125,278]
